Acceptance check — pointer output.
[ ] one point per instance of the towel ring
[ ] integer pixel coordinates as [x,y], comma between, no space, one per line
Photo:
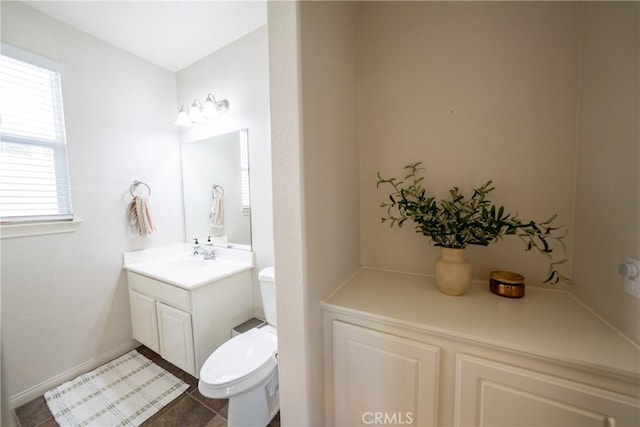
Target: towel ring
[136,184]
[217,188]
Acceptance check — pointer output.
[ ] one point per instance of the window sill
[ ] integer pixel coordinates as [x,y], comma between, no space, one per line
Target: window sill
[11,231]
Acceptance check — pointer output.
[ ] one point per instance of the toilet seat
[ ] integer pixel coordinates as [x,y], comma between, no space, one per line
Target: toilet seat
[240,362]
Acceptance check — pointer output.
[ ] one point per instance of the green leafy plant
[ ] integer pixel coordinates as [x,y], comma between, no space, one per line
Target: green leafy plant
[459,221]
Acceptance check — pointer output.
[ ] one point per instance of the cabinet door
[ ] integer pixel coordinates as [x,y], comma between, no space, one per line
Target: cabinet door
[176,337]
[489,393]
[380,378]
[144,326]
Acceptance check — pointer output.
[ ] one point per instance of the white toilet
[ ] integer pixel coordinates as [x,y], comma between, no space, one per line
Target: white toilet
[245,368]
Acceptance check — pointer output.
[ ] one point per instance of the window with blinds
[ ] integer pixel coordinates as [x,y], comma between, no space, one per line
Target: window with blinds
[244,171]
[34,183]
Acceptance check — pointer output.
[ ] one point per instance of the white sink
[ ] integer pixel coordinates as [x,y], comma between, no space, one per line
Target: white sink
[177,265]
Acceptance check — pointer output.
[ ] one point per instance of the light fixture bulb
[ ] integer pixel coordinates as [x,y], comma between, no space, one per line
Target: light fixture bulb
[183,117]
[195,112]
[209,107]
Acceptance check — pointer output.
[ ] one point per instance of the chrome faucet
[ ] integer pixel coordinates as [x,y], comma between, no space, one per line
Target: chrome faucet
[207,251]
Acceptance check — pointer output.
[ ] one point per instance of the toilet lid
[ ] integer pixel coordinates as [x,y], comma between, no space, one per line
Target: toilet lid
[239,357]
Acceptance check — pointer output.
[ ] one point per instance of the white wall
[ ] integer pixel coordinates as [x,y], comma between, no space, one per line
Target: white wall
[239,72]
[315,177]
[64,297]
[607,219]
[477,92]
[296,405]
[331,163]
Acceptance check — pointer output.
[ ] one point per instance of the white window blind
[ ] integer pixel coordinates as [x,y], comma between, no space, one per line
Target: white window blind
[34,183]
[244,171]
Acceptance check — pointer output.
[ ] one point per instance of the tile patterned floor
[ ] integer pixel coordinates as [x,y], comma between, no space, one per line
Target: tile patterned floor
[191,409]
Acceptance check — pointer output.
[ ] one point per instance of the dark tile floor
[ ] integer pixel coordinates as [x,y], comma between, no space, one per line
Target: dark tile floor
[191,409]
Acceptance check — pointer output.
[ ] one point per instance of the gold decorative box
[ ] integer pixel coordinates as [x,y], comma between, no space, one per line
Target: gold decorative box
[506,284]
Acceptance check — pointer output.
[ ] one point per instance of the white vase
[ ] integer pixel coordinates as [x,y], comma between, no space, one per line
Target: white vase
[453,272]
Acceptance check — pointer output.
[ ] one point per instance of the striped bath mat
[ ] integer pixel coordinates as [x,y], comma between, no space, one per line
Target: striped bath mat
[123,392]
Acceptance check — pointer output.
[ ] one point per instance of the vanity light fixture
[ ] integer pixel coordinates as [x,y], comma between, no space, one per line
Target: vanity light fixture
[197,112]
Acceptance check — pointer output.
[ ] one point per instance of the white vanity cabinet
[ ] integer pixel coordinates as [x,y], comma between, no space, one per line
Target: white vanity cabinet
[378,373]
[175,336]
[144,320]
[186,325]
[399,352]
[498,394]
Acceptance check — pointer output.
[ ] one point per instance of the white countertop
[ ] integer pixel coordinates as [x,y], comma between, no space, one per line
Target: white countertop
[547,323]
[176,265]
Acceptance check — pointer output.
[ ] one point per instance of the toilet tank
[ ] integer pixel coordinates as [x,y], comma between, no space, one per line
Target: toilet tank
[267,278]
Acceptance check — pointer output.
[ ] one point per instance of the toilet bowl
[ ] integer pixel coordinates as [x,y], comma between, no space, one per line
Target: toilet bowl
[245,368]
[240,364]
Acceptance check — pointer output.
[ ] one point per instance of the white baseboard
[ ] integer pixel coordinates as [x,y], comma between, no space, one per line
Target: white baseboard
[39,389]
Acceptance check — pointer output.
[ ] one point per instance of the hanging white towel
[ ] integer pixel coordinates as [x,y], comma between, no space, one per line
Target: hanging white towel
[140,222]
[216,215]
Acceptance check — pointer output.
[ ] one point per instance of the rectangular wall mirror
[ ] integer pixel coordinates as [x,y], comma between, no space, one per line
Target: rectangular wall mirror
[215,179]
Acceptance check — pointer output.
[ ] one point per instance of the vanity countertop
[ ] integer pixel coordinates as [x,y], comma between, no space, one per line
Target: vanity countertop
[176,265]
[548,323]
